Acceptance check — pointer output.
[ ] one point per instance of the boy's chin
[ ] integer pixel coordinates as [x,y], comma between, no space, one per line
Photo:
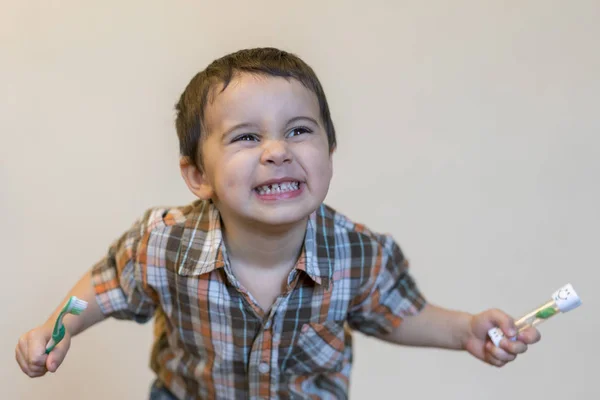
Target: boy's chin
[275,220]
[283,217]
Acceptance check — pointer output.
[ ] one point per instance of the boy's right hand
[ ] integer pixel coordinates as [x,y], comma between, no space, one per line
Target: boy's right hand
[31,351]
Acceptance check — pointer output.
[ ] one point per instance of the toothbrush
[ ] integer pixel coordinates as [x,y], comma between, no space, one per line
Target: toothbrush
[73,306]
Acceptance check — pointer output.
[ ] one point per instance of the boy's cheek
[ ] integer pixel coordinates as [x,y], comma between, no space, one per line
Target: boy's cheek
[319,155]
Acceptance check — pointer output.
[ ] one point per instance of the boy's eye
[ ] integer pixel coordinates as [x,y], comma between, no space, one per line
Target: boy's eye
[299,131]
[247,137]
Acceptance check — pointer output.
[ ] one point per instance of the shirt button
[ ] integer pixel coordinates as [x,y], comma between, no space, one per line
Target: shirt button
[263,367]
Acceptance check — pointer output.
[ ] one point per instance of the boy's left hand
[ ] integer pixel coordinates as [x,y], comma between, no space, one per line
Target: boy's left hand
[478,344]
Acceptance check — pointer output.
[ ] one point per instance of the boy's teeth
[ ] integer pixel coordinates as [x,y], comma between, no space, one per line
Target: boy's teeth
[278,188]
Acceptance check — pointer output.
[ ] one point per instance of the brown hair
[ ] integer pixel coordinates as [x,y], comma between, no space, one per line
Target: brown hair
[265,61]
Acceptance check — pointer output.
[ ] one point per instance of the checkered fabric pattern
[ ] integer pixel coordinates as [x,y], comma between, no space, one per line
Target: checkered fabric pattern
[213,340]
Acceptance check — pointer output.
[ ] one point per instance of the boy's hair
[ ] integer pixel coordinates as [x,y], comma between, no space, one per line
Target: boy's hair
[263,61]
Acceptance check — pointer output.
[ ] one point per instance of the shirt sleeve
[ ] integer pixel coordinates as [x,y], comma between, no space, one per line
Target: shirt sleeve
[389,295]
[120,278]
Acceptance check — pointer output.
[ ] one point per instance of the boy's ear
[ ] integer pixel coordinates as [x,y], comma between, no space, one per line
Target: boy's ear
[195,179]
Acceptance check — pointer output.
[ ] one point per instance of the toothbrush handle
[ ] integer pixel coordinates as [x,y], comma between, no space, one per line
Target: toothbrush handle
[56,338]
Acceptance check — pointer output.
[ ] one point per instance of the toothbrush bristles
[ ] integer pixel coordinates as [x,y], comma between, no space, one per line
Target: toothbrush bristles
[77,305]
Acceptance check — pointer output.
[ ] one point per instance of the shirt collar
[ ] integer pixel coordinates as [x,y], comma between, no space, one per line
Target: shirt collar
[318,255]
[201,248]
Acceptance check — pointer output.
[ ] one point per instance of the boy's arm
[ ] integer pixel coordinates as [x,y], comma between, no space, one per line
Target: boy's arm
[390,306]
[30,351]
[433,326]
[113,287]
[448,329]
[76,324]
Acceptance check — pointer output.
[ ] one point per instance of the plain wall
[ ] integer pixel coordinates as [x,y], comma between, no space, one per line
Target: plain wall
[468,129]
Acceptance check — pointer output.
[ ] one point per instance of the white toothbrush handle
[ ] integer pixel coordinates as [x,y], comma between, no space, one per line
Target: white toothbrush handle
[50,344]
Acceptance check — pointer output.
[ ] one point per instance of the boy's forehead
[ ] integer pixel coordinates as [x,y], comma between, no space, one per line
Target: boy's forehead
[255,97]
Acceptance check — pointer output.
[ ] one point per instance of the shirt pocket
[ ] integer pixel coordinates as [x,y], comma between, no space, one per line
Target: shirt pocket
[320,348]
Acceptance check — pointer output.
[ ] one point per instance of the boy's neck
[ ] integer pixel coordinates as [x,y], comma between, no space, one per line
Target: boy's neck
[264,248]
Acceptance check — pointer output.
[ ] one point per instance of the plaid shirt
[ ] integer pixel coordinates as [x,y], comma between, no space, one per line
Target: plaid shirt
[212,340]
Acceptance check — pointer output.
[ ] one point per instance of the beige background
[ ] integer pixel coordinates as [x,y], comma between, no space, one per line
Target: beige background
[481,117]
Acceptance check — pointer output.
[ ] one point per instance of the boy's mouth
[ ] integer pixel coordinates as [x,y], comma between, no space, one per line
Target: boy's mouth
[277,188]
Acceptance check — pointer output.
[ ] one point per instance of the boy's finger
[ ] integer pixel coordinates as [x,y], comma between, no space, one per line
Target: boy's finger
[36,350]
[30,370]
[22,345]
[530,336]
[21,360]
[490,359]
[499,353]
[513,347]
[36,369]
[57,355]
[504,321]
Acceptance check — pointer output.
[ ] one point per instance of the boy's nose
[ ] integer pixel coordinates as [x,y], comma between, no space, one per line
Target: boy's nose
[276,152]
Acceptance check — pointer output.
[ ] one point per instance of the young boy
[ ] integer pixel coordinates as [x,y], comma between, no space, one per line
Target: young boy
[256,286]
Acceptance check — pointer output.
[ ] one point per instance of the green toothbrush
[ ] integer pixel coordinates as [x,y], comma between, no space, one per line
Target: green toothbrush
[73,306]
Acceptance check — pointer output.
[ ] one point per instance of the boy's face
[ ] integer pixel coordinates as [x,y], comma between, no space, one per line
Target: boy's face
[266,156]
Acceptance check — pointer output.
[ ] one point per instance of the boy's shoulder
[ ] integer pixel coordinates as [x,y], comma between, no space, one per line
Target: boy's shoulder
[185,216]
[343,223]
[356,231]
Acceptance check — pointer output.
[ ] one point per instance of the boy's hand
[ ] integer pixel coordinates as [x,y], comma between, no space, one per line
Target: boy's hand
[479,345]
[31,351]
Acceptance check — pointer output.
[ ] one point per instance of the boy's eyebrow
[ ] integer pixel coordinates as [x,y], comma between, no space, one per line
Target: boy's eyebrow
[238,126]
[303,117]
